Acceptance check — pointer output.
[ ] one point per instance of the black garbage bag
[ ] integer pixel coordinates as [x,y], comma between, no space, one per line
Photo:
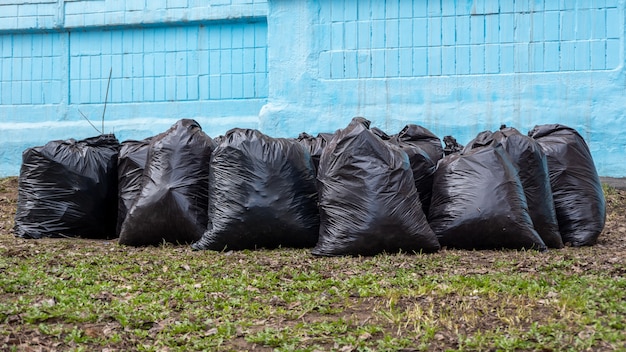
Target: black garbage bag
[130,165]
[172,204]
[532,168]
[452,146]
[315,145]
[423,138]
[380,133]
[261,194]
[578,197]
[478,202]
[68,189]
[424,151]
[368,200]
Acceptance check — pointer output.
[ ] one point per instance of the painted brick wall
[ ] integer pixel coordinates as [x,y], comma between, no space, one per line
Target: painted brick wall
[390,39]
[455,67]
[209,57]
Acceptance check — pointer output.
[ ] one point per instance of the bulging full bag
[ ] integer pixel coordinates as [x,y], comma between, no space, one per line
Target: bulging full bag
[368,200]
[130,165]
[478,202]
[172,203]
[532,168]
[68,189]
[315,145]
[577,190]
[262,194]
[424,151]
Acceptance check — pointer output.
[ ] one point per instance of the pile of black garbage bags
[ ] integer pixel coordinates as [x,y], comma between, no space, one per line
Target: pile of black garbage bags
[357,191]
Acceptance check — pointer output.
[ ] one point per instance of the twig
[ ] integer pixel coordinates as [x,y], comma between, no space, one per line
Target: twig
[106,97]
[92,125]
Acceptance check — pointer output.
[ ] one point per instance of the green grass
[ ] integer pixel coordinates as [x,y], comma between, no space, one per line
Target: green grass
[85,294]
[81,295]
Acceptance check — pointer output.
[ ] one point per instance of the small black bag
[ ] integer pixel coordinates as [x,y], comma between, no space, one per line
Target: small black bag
[424,151]
[172,203]
[68,189]
[532,167]
[130,165]
[478,202]
[577,190]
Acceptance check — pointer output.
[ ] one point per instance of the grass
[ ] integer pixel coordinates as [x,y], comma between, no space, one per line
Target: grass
[82,295]
[100,294]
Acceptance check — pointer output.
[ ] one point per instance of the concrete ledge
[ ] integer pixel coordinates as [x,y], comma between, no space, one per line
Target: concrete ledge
[615,182]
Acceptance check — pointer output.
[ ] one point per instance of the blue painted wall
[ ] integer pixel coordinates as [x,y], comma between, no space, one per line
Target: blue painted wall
[167,60]
[454,66]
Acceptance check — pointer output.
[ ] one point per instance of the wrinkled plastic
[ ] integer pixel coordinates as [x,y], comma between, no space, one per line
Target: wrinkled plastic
[577,190]
[315,145]
[423,138]
[368,200]
[68,189]
[424,151]
[172,204]
[130,165]
[478,202]
[532,168]
[380,133]
[262,194]
[451,145]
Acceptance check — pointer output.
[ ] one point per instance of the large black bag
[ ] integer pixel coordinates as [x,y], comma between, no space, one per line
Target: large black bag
[130,165]
[478,202]
[424,151]
[532,168]
[261,194]
[68,189]
[578,197]
[368,200]
[172,203]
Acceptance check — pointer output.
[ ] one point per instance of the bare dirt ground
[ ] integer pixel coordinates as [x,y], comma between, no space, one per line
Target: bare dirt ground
[608,255]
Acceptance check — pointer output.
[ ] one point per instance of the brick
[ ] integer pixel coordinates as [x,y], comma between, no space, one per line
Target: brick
[567,55]
[420,32]
[462,60]
[434,31]
[448,36]
[477,59]
[392,9]
[448,63]
[598,55]
[350,36]
[521,58]
[477,29]
[536,57]
[492,59]
[8,11]
[492,29]
[582,59]
[350,62]
[378,63]
[336,65]
[434,61]
[612,54]
[420,61]
[392,64]
[405,62]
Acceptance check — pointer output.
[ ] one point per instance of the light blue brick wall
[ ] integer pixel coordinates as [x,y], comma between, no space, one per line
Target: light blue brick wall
[168,59]
[455,67]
